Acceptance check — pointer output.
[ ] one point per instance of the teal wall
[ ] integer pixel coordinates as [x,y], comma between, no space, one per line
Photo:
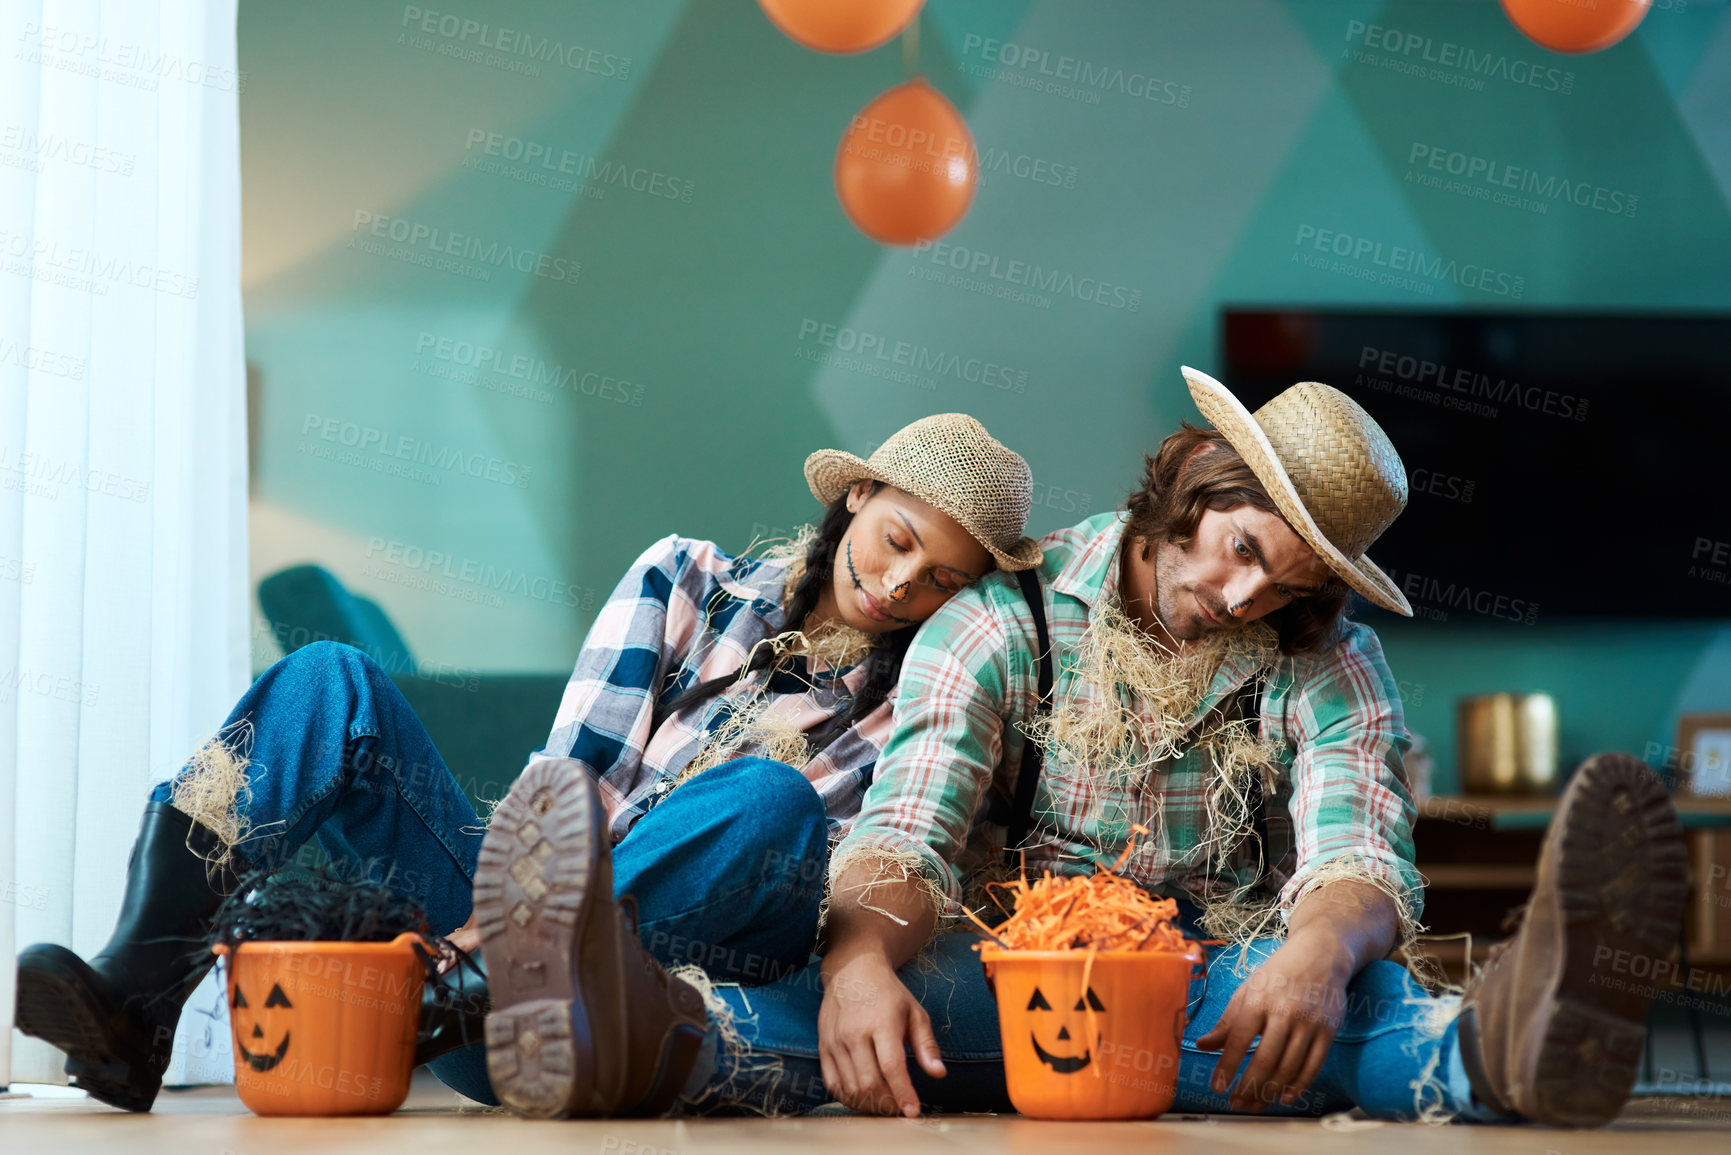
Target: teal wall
[677,327]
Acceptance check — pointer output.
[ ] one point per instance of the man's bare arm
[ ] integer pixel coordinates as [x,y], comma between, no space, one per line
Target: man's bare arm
[1295,1000]
[1361,917]
[868,1016]
[855,927]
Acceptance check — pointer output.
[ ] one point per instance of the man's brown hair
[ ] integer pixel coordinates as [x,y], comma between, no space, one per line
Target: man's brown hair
[1172,499]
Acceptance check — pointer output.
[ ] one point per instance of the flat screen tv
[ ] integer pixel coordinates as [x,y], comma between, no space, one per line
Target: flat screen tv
[1560,464]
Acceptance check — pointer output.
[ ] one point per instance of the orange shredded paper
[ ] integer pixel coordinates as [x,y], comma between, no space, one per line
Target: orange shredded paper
[1103,911]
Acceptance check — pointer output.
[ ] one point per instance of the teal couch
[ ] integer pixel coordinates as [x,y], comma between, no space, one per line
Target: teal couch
[484,725]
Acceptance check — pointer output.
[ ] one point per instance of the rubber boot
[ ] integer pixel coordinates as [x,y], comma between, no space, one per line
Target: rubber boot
[585,1021]
[115,1015]
[1553,1027]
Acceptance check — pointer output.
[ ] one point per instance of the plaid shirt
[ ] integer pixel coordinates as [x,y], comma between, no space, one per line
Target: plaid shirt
[969,684]
[686,612]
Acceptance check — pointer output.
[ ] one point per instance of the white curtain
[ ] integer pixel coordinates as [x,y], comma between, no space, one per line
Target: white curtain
[123,589]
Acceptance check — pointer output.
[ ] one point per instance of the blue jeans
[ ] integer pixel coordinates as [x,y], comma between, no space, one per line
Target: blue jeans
[726,872]
[1395,1054]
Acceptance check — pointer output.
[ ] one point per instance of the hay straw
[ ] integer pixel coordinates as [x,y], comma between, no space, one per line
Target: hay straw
[214,790]
[834,643]
[483,816]
[792,550]
[1350,1120]
[748,725]
[1378,876]
[751,1075]
[1144,695]
[887,868]
[1125,734]
[1430,1088]
[1240,921]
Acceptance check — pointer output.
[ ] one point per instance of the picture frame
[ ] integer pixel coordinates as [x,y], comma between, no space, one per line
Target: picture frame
[1704,755]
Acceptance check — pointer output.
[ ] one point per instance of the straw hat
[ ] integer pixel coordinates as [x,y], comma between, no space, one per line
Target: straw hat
[951,462]
[1331,470]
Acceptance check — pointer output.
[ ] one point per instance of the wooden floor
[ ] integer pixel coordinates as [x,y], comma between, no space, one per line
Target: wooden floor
[212,1122]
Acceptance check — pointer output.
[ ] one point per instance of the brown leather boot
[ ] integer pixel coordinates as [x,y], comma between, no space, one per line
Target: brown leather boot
[1553,1027]
[584,1021]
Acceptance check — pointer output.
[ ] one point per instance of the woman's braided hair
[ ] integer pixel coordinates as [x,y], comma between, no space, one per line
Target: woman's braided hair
[883,662]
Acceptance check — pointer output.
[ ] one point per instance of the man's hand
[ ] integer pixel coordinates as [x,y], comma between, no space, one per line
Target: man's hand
[1294,1001]
[868,1015]
[466,937]
[866,1018]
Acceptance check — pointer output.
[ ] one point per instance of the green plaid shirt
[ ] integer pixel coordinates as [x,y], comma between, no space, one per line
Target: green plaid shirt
[969,684]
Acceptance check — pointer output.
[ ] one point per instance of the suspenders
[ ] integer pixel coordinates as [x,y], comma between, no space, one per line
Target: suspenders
[1274,835]
[1028,776]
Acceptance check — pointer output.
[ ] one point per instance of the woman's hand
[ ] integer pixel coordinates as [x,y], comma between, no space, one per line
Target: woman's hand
[1295,1001]
[867,1017]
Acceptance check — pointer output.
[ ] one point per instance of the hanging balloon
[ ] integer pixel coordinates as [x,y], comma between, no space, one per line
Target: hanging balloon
[1568,26]
[840,25]
[907,168]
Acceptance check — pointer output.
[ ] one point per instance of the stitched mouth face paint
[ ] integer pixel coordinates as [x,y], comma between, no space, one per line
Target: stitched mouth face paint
[858,585]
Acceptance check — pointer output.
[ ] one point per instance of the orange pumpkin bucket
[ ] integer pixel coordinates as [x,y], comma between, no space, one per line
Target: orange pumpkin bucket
[324,1028]
[1091,1034]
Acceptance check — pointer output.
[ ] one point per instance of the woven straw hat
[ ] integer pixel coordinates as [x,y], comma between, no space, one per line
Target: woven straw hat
[951,462]
[1331,470]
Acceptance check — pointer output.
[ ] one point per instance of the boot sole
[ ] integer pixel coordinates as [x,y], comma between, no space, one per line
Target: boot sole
[1621,878]
[540,865]
[57,1004]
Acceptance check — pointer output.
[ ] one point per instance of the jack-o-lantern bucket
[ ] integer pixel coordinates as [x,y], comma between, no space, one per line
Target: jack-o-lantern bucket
[324,1028]
[1106,1048]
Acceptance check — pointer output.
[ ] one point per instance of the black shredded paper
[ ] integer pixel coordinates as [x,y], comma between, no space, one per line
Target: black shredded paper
[314,904]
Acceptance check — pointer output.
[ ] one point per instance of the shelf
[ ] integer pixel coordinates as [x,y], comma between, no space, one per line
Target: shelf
[1511,812]
[1479,876]
[1448,805]
[1449,952]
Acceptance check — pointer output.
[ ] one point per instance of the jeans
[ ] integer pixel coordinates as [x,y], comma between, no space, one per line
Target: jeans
[1396,1052]
[337,754]
[726,872]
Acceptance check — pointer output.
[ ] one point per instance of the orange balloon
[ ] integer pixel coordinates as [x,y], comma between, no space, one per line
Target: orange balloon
[1576,25]
[907,168]
[840,25]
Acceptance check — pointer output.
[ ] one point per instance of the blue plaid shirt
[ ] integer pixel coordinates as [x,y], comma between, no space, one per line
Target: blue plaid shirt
[686,612]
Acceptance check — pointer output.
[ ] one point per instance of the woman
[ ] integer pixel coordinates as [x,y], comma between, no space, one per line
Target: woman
[729,710]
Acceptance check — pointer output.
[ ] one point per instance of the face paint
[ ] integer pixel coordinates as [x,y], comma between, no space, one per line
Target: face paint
[854,574]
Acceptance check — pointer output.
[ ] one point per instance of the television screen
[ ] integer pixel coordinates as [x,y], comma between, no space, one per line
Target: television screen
[1560,465]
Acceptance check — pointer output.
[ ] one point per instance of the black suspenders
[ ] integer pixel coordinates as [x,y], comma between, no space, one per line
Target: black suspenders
[1028,776]
[1273,836]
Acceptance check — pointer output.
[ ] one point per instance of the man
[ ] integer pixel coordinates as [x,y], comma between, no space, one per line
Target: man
[1207,689]
[1236,555]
